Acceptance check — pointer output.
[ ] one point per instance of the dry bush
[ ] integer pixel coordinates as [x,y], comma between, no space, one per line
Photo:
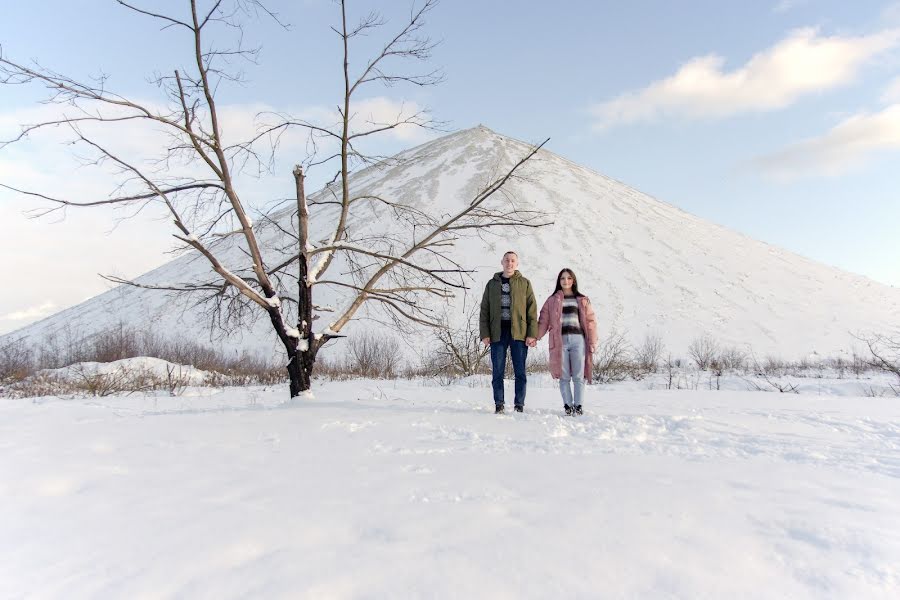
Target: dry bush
[460,349]
[117,343]
[671,365]
[647,355]
[61,349]
[769,371]
[373,356]
[885,353]
[837,364]
[770,366]
[432,365]
[538,361]
[612,360]
[733,358]
[120,381]
[858,364]
[39,384]
[703,351]
[804,364]
[16,361]
[68,347]
[333,369]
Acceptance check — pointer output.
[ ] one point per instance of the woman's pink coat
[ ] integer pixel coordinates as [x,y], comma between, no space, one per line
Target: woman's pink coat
[550,321]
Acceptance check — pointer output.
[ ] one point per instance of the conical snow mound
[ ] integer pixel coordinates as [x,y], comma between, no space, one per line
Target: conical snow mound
[648,267]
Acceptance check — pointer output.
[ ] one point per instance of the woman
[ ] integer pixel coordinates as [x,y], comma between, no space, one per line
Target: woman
[570,319]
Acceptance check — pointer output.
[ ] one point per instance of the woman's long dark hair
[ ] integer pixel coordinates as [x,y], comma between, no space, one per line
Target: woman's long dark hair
[574,282]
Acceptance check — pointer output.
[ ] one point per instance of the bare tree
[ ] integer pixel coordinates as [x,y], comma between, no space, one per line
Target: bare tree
[193,177]
[703,351]
[885,351]
[460,348]
[647,355]
[612,359]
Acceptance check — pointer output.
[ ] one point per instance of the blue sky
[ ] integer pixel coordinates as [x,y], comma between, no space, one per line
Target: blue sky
[778,119]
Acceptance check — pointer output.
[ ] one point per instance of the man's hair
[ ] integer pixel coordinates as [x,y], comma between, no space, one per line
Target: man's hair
[510,252]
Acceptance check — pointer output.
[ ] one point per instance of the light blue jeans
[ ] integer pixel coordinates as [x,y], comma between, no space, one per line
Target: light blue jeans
[572,369]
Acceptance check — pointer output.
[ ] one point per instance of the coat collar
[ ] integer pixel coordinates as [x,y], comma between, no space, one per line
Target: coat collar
[515,275]
[561,296]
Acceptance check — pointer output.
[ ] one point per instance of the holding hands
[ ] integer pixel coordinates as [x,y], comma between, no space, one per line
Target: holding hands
[530,342]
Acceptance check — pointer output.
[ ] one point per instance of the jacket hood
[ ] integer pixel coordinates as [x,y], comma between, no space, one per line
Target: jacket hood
[514,275]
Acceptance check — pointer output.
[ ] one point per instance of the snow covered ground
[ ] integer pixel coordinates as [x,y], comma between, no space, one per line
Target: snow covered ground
[405,490]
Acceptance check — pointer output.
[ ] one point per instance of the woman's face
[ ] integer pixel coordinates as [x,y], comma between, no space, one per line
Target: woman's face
[566,281]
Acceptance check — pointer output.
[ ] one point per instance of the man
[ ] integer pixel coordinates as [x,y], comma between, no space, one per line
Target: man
[508,322]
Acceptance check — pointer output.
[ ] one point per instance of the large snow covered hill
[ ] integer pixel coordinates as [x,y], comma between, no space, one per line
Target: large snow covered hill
[648,266]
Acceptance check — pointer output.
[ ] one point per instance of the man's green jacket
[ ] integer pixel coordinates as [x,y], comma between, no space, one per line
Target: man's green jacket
[523,309]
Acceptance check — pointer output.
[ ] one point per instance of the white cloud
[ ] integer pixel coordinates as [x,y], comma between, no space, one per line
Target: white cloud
[802,63]
[843,148]
[30,314]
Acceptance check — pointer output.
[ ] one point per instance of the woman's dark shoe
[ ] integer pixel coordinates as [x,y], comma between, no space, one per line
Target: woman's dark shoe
[568,409]
[578,410]
[498,410]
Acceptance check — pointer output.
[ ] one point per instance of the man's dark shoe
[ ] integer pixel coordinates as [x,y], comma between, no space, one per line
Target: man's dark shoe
[568,409]
[520,409]
[498,410]
[578,410]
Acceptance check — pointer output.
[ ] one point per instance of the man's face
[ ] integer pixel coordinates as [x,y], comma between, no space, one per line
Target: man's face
[510,263]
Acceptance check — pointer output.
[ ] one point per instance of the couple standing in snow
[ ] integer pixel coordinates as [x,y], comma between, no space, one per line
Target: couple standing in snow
[509,323]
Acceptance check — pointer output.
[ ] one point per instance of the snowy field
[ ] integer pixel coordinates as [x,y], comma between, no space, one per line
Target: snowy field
[405,490]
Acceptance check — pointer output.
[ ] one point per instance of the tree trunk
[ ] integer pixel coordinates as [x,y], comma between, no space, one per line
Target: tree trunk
[300,371]
[302,361]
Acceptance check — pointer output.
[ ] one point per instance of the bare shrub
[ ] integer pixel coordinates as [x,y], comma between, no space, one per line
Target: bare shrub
[333,369]
[783,387]
[373,356]
[733,358]
[838,364]
[61,349]
[770,366]
[858,364]
[612,360]
[770,371]
[703,351]
[538,361]
[120,381]
[176,380]
[113,344]
[432,365]
[870,391]
[16,361]
[885,353]
[647,355]
[460,349]
[670,371]
[39,384]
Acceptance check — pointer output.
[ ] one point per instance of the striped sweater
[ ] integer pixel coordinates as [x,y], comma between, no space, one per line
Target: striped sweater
[570,323]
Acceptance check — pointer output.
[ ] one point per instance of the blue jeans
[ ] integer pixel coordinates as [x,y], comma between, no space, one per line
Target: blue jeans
[519,352]
[572,369]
